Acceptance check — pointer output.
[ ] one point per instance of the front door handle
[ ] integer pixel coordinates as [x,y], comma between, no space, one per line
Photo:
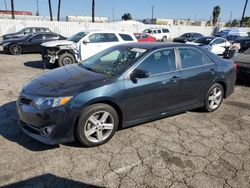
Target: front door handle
[212,71]
[175,79]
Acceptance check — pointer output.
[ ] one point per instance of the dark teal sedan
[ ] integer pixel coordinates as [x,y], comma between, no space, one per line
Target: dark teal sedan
[122,86]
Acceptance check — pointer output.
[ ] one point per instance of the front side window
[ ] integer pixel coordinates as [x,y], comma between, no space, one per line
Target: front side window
[51,37]
[193,58]
[159,62]
[103,37]
[165,30]
[113,60]
[159,31]
[37,37]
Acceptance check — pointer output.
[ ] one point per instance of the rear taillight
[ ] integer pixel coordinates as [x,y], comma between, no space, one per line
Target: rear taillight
[235,67]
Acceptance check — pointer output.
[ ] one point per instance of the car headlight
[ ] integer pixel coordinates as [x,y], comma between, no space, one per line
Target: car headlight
[49,102]
[5,44]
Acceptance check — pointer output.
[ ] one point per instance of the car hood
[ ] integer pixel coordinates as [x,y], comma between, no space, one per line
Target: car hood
[180,38]
[57,43]
[194,43]
[64,81]
[12,40]
[13,35]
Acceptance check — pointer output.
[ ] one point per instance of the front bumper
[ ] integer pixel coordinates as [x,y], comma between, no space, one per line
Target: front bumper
[33,121]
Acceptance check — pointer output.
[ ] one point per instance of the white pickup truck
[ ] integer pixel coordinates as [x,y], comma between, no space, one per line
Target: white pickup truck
[82,46]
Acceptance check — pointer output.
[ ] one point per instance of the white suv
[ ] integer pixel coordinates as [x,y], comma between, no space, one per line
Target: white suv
[82,46]
[160,34]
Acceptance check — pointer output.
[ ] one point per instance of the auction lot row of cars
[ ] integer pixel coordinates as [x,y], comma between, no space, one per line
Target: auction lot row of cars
[118,82]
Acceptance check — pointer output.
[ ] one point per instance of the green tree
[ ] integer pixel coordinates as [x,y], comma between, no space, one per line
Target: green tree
[216,14]
[246,21]
[235,23]
[127,16]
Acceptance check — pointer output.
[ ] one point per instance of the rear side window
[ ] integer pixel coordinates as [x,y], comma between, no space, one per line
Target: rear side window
[159,62]
[159,30]
[126,37]
[165,30]
[193,58]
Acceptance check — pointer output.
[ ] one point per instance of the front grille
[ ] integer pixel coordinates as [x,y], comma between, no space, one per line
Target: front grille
[30,128]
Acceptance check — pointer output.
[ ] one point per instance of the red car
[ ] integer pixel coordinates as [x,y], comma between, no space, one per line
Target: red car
[143,37]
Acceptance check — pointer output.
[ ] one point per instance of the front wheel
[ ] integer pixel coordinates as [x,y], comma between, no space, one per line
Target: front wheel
[15,49]
[214,98]
[66,59]
[97,125]
[164,39]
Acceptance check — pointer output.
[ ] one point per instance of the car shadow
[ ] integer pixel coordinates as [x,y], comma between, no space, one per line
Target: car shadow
[241,81]
[48,180]
[39,65]
[10,130]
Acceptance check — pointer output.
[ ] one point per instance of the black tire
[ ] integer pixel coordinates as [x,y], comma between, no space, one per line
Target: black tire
[15,49]
[164,39]
[208,101]
[66,59]
[84,123]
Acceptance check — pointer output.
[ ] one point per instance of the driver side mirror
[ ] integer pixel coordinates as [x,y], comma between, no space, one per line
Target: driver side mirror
[138,74]
[85,41]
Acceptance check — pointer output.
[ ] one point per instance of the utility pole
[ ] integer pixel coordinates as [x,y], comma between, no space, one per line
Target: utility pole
[113,14]
[6,8]
[37,8]
[12,9]
[152,19]
[50,10]
[58,11]
[243,14]
[93,11]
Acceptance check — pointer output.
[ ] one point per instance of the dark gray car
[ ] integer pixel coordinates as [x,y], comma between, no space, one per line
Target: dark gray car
[25,31]
[122,86]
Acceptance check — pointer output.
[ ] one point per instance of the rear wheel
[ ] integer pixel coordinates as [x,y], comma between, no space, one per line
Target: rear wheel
[214,98]
[164,39]
[15,49]
[66,59]
[97,125]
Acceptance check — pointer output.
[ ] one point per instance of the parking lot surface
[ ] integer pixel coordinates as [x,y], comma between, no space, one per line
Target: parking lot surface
[192,149]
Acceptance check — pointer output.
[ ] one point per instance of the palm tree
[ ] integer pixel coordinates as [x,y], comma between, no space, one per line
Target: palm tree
[243,14]
[50,10]
[12,9]
[93,11]
[127,16]
[216,14]
[59,9]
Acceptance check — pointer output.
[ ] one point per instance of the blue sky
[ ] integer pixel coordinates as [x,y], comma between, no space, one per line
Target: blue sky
[139,9]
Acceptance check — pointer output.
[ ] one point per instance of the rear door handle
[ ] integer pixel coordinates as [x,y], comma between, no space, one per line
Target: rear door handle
[175,79]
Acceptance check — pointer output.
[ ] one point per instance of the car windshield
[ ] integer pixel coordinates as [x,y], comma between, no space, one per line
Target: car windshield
[204,40]
[75,38]
[113,60]
[185,35]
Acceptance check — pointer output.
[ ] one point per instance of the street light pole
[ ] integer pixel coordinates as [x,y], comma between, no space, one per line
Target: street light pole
[37,8]
[50,10]
[243,14]
[6,8]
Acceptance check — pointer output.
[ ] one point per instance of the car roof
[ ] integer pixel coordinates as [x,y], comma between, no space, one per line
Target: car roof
[156,45]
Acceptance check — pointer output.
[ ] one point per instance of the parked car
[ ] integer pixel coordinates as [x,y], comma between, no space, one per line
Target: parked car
[187,37]
[144,37]
[217,45]
[231,32]
[29,43]
[122,86]
[240,45]
[82,46]
[161,34]
[243,65]
[25,31]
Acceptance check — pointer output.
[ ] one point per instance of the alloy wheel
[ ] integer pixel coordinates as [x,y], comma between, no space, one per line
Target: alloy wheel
[99,126]
[15,49]
[215,98]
